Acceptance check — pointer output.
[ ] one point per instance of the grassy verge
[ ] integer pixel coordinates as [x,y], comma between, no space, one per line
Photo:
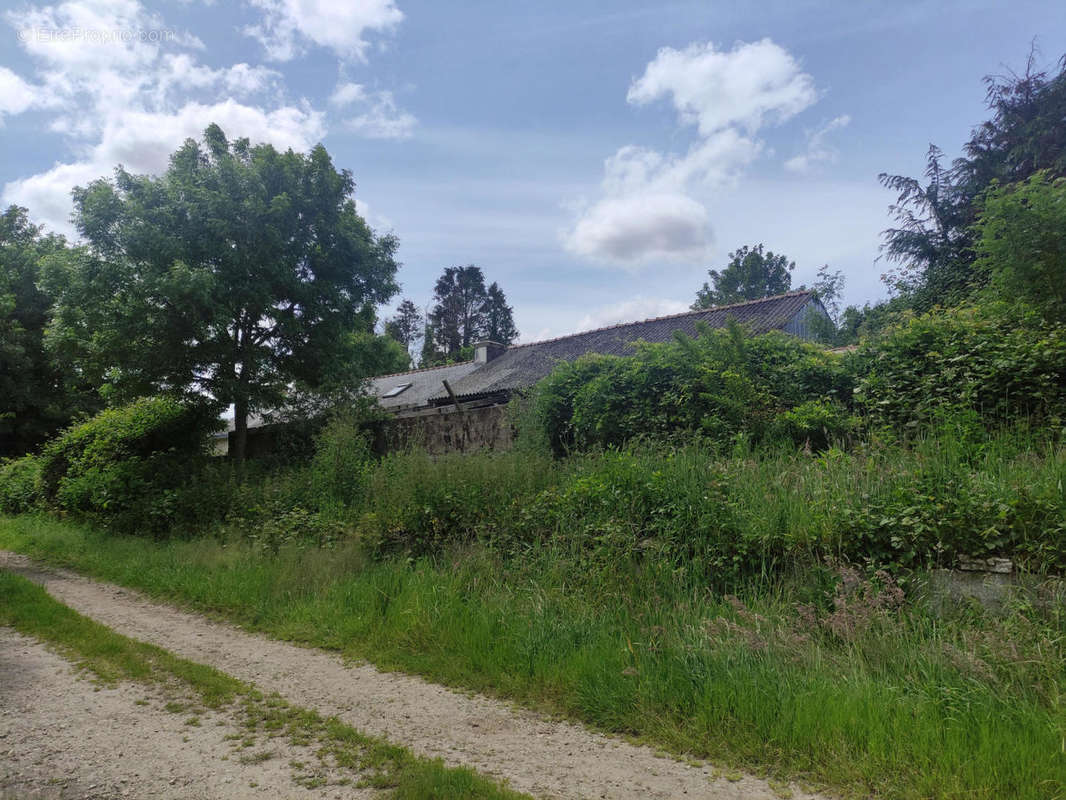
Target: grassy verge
[111,657]
[848,690]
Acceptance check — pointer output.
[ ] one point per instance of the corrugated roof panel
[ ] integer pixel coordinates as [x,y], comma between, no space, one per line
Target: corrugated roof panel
[424,384]
[523,365]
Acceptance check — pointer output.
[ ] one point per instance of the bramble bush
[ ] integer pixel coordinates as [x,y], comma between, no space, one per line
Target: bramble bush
[723,517]
[20,485]
[994,361]
[721,385]
[131,468]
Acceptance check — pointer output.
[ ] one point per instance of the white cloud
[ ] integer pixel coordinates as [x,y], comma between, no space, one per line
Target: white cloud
[340,26]
[380,117]
[635,310]
[714,89]
[648,211]
[642,225]
[347,93]
[383,119]
[124,96]
[818,150]
[16,95]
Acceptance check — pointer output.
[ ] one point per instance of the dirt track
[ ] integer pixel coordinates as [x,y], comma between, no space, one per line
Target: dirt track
[62,737]
[537,755]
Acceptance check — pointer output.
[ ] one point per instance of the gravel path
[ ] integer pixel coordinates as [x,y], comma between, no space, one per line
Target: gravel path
[63,737]
[537,755]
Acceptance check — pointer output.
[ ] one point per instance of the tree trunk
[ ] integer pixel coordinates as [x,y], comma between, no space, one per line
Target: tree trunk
[240,433]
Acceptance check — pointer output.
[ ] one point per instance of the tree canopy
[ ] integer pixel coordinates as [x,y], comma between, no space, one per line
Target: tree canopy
[932,243]
[752,272]
[407,325]
[242,273]
[36,396]
[465,312]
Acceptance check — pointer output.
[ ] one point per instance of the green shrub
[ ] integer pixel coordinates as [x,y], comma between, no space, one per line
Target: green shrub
[130,468]
[720,385]
[985,360]
[816,424]
[20,485]
[342,461]
[417,504]
[724,517]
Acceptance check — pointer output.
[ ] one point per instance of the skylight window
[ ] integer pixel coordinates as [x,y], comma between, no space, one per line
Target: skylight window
[396,390]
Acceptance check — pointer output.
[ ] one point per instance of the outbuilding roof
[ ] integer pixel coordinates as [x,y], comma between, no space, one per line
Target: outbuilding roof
[523,365]
[421,384]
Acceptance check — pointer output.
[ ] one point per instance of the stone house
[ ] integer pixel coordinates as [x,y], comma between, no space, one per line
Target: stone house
[463,406]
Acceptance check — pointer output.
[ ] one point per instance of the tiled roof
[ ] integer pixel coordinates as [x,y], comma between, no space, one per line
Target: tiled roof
[424,384]
[525,364]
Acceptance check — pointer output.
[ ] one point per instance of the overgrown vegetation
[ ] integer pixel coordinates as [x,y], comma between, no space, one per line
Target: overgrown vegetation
[824,674]
[130,468]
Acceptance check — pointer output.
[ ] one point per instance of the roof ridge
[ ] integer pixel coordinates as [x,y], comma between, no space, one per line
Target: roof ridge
[421,369]
[710,309]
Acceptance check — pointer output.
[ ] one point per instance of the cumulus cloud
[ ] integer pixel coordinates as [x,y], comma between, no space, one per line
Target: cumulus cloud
[648,211]
[642,225]
[818,150]
[341,26]
[127,90]
[635,310]
[713,89]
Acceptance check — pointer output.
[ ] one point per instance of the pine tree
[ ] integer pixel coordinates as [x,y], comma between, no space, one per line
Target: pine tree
[499,317]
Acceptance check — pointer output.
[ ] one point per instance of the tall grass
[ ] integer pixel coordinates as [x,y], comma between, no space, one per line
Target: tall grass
[599,587]
[898,701]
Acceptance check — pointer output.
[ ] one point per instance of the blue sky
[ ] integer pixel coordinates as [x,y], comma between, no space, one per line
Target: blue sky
[593,158]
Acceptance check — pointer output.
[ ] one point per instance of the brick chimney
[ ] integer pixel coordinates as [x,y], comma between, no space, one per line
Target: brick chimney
[485,351]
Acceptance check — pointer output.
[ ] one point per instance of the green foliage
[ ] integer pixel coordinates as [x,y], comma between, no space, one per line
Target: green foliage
[984,359]
[1021,242]
[934,241]
[823,675]
[816,424]
[20,485]
[418,504]
[238,273]
[465,312]
[125,467]
[752,273]
[343,461]
[721,385]
[499,316]
[37,396]
[407,326]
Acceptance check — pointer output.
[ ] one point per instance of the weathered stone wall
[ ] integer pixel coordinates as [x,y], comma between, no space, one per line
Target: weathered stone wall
[448,430]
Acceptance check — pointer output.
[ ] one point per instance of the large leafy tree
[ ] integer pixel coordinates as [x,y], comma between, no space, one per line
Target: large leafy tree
[36,396]
[932,242]
[242,273]
[752,272]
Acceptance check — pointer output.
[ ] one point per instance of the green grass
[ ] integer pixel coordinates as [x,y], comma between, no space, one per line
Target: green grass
[112,657]
[911,703]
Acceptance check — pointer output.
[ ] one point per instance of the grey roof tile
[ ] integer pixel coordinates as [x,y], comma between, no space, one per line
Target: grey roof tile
[523,365]
[425,383]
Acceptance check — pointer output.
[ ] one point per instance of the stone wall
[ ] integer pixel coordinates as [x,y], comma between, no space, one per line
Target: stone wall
[448,430]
